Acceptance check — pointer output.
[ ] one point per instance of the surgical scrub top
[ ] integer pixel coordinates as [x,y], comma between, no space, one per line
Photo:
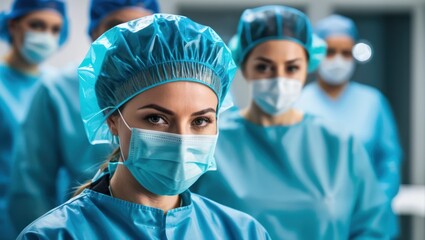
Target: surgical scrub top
[95,215]
[54,142]
[300,181]
[364,112]
[16,92]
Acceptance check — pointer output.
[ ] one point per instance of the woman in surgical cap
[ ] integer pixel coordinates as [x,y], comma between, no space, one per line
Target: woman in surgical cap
[34,29]
[295,176]
[155,87]
[357,108]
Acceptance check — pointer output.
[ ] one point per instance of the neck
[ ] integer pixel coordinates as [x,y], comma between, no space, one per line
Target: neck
[255,115]
[15,60]
[333,91]
[124,186]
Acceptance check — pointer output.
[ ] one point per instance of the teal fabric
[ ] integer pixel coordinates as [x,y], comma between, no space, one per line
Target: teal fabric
[53,141]
[99,9]
[300,182]
[336,25]
[117,67]
[364,112]
[93,215]
[16,93]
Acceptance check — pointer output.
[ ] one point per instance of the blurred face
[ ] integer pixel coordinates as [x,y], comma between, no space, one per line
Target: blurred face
[341,45]
[178,107]
[46,21]
[276,58]
[118,17]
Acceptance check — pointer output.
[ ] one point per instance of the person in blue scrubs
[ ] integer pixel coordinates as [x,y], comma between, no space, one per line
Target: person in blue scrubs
[159,101]
[353,107]
[298,178]
[34,30]
[54,155]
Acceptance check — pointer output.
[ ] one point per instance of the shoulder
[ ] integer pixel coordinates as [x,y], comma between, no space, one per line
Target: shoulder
[57,221]
[365,91]
[228,217]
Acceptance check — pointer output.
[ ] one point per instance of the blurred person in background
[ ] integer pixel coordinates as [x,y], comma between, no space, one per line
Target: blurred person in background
[296,176]
[160,101]
[54,140]
[34,30]
[355,108]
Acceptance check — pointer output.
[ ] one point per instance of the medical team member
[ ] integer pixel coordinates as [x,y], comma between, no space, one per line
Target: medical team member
[349,106]
[159,101]
[34,30]
[285,168]
[58,142]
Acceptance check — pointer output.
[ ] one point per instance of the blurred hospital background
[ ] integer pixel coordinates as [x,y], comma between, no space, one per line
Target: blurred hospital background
[395,29]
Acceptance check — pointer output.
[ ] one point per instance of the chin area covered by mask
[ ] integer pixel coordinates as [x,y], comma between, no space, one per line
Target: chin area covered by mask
[336,70]
[166,163]
[275,95]
[38,46]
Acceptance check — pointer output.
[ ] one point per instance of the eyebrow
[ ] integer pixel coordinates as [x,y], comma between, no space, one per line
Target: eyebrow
[270,61]
[202,112]
[169,112]
[158,108]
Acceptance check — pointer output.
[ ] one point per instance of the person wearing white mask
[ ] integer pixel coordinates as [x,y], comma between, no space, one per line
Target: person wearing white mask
[34,29]
[354,108]
[297,177]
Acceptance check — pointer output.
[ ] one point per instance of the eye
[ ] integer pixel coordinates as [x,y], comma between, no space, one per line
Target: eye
[201,122]
[56,30]
[292,68]
[347,54]
[331,52]
[262,67]
[37,25]
[155,119]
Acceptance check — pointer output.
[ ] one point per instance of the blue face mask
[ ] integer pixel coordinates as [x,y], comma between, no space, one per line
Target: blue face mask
[38,46]
[166,163]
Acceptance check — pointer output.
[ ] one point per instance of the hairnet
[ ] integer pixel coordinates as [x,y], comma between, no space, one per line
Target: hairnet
[23,7]
[99,9]
[336,25]
[141,54]
[274,22]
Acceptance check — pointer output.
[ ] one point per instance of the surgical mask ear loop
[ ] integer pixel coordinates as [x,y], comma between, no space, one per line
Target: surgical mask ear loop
[129,128]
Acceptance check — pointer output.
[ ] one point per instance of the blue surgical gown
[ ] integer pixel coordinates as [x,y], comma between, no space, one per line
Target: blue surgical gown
[16,92]
[94,215]
[300,182]
[54,141]
[364,112]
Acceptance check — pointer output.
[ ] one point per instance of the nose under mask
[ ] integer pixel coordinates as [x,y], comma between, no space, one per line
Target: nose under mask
[336,70]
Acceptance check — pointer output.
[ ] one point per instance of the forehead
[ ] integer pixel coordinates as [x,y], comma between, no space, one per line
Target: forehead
[177,93]
[340,42]
[278,50]
[126,14]
[47,15]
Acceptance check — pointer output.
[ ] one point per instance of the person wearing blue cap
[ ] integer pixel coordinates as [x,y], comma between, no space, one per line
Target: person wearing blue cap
[34,30]
[357,108]
[54,155]
[159,101]
[298,178]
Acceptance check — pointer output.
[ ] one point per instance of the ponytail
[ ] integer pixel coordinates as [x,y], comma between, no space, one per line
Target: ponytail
[112,158]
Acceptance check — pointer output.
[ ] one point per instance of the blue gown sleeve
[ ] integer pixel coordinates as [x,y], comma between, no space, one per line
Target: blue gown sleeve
[388,153]
[36,163]
[370,218]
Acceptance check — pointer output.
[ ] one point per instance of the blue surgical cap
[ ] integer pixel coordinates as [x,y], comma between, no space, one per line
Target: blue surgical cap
[336,25]
[138,55]
[274,22]
[99,9]
[23,7]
